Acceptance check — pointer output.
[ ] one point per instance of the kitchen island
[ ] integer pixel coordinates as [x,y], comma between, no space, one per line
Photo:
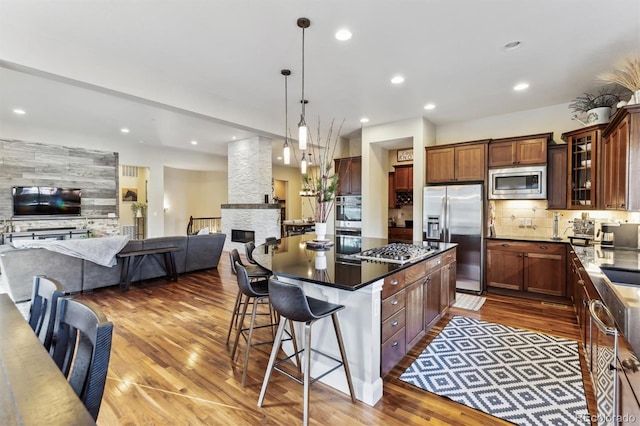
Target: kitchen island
[336,275]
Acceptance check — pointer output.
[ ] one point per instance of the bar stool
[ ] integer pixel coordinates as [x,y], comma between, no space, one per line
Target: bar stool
[254,273]
[291,304]
[255,292]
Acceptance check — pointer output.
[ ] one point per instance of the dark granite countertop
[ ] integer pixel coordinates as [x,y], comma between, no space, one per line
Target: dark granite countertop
[291,258]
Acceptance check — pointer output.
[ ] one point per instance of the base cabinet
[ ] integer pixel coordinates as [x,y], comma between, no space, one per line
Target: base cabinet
[412,303]
[527,267]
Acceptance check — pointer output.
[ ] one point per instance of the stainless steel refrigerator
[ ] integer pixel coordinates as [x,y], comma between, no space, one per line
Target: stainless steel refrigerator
[455,214]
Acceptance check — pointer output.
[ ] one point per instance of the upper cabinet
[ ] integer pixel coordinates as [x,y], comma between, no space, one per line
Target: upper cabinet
[621,160]
[457,163]
[583,151]
[404,178]
[350,175]
[557,176]
[520,151]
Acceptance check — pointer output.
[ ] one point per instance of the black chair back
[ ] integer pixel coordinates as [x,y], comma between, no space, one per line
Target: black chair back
[81,349]
[249,248]
[234,257]
[245,284]
[44,303]
[290,301]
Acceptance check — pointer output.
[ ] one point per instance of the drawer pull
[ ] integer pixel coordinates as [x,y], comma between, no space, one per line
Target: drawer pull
[394,344]
[394,302]
[394,323]
[543,247]
[505,245]
[394,282]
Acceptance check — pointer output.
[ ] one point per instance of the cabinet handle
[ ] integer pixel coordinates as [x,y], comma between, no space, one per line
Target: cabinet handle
[608,205]
[623,205]
[393,324]
[581,282]
[394,302]
[394,344]
[520,255]
[394,282]
[543,247]
[505,245]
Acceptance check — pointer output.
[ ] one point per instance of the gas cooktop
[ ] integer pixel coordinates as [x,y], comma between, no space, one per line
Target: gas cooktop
[395,253]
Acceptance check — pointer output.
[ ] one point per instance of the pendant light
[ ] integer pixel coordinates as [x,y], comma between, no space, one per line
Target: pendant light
[302,126]
[286,148]
[303,165]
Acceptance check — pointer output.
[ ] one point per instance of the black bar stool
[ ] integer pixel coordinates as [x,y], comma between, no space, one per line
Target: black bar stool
[255,292]
[254,273]
[291,304]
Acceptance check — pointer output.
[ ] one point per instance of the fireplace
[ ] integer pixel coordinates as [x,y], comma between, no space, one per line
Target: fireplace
[240,236]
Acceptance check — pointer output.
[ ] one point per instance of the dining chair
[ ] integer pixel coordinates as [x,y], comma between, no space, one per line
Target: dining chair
[81,348]
[44,303]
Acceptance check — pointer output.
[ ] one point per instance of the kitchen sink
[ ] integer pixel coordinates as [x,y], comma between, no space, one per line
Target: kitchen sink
[620,276]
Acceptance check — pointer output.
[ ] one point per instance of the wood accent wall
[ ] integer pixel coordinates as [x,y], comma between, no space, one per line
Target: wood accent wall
[36,164]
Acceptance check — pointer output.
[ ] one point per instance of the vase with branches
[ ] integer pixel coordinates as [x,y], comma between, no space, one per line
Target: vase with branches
[320,183]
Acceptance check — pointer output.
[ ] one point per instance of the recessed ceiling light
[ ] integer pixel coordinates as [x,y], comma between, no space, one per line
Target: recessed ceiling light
[397,79]
[233,137]
[520,87]
[512,45]
[429,106]
[19,111]
[194,142]
[124,130]
[364,120]
[343,35]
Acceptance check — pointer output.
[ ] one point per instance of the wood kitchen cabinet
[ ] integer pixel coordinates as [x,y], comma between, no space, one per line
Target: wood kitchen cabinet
[457,163]
[392,190]
[621,160]
[448,281]
[350,175]
[525,266]
[583,169]
[557,177]
[403,234]
[411,305]
[519,151]
[404,178]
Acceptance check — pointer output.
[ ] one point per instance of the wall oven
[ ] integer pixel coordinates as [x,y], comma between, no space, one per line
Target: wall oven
[348,212]
[518,183]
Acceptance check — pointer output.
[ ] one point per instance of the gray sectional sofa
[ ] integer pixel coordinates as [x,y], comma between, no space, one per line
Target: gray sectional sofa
[18,266]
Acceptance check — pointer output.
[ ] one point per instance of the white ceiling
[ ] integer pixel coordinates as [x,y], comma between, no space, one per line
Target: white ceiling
[177,70]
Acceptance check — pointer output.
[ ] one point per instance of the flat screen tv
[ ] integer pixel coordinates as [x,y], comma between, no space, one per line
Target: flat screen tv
[45,201]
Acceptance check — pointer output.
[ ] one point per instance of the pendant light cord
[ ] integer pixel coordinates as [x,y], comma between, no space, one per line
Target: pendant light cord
[303,102]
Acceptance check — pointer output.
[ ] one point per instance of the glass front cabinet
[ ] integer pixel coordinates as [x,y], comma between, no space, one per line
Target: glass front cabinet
[583,149]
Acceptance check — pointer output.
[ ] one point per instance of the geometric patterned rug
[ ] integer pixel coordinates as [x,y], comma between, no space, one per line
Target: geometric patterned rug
[517,375]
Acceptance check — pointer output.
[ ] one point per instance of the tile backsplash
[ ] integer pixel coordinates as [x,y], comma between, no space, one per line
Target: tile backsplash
[530,218]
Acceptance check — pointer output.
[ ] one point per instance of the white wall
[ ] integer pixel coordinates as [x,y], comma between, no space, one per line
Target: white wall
[555,118]
[375,166]
[191,193]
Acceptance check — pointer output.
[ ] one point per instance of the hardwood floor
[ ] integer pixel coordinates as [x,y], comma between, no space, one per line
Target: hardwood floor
[170,364]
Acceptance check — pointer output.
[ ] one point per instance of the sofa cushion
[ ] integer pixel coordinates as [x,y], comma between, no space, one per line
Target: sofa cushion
[19,266]
[204,251]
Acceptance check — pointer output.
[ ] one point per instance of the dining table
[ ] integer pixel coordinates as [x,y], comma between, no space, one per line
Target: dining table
[33,390]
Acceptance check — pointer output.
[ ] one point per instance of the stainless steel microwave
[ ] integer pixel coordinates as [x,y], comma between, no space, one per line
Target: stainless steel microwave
[518,183]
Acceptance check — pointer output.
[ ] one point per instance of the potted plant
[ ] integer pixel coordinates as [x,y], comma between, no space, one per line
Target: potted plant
[138,209]
[597,107]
